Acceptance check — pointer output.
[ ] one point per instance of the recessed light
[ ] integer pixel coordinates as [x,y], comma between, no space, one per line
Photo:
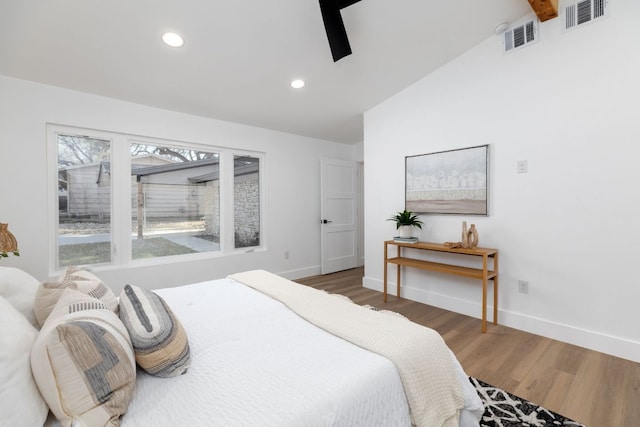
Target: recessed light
[172,39]
[297,84]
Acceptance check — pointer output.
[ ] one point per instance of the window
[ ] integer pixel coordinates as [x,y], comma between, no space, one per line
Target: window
[123,199]
[246,201]
[175,198]
[84,200]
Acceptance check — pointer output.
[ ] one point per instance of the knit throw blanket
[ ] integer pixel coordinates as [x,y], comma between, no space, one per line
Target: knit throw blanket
[419,354]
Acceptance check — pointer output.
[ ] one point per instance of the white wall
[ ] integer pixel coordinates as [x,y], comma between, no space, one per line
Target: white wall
[292,180]
[568,105]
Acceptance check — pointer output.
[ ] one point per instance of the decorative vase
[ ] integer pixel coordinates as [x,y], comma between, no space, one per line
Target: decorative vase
[473,236]
[465,235]
[406,231]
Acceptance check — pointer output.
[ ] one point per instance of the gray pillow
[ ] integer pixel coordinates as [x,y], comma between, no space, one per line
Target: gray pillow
[159,340]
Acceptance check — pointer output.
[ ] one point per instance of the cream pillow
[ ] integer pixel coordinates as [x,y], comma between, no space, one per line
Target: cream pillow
[20,401]
[48,293]
[19,288]
[83,362]
[159,340]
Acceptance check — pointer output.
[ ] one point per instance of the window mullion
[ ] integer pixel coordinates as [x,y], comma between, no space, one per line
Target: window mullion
[226,202]
[121,201]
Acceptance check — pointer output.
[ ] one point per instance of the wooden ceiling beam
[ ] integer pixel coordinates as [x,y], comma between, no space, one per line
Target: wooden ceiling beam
[545,9]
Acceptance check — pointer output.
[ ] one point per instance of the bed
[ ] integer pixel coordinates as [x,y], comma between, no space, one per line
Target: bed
[256,362]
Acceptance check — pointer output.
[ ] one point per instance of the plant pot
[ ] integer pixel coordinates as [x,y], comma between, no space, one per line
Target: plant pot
[406,231]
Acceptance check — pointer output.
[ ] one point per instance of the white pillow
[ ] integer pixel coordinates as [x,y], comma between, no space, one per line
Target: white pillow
[83,362]
[20,401]
[19,288]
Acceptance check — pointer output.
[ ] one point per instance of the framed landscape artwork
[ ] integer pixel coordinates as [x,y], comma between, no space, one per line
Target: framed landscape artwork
[448,182]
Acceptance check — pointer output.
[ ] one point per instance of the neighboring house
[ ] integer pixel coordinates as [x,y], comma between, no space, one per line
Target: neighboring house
[165,190]
[84,190]
[174,190]
[185,190]
[79,194]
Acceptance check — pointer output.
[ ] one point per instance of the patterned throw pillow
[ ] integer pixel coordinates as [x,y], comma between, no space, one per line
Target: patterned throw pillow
[159,340]
[49,292]
[83,362]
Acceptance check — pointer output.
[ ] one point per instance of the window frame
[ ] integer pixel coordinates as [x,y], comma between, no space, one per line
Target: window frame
[120,198]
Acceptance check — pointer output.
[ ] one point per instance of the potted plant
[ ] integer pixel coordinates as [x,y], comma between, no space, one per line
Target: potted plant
[405,221]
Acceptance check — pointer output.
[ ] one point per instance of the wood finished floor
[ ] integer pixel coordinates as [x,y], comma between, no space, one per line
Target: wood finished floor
[593,388]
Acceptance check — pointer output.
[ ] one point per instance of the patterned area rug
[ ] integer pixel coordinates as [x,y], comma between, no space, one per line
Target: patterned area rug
[502,409]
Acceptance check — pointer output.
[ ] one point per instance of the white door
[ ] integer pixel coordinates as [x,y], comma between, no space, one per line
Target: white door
[339,235]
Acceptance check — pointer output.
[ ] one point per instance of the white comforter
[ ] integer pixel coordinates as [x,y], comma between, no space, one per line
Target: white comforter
[256,363]
[419,354]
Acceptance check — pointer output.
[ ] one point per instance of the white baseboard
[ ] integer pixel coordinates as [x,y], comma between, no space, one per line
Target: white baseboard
[593,340]
[301,273]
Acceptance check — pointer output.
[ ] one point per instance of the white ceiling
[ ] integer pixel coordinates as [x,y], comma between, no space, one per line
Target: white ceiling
[240,55]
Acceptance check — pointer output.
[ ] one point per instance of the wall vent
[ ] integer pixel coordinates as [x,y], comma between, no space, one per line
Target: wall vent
[521,35]
[582,12]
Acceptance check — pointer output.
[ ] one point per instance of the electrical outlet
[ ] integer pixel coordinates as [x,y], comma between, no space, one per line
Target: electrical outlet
[523,286]
[286,254]
[523,166]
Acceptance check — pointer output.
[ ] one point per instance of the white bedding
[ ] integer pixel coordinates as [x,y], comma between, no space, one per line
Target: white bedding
[419,354]
[256,363]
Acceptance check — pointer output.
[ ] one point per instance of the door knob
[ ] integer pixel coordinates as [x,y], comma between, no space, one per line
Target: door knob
[325,221]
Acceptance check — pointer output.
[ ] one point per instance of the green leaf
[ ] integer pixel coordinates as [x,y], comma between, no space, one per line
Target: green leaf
[406,218]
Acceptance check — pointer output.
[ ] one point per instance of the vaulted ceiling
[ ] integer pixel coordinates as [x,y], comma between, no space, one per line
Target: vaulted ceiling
[240,56]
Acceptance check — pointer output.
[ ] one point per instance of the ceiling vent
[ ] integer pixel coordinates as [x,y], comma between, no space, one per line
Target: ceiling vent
[521,35]
[582,12]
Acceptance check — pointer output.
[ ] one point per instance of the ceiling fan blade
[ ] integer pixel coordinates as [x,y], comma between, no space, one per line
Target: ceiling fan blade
[345,3]
[334,26]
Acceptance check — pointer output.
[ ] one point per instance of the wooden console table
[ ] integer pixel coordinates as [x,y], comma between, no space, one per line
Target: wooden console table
[483,273]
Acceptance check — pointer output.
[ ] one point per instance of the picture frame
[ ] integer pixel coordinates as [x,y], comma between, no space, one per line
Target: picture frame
[454,182]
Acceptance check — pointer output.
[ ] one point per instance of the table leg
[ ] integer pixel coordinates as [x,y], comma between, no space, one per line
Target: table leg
[495,290]
[484,293]
[385,272]
[398,274]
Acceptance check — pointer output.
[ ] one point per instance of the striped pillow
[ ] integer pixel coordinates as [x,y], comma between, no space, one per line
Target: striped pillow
[48,293]
[83,363]
[159,340]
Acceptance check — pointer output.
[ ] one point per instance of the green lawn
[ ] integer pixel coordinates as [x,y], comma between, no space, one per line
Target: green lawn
[94,253]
